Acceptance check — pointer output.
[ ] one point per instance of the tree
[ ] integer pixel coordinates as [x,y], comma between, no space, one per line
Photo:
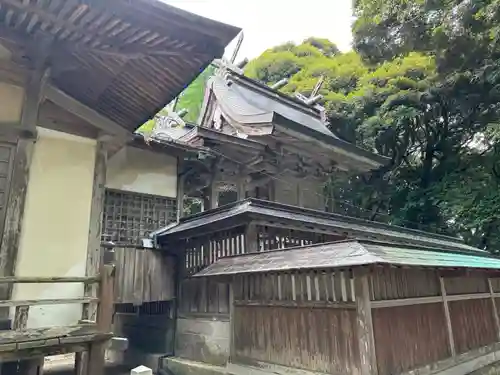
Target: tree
[425,118]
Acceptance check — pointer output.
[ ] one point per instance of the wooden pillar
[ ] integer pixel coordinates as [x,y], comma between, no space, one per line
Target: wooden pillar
[213,198]
[366,340]
[96,354]
[446,309]
[241,190]
[20,174]
[251,239]
[231,319]
[95,226]
[495,309]
[94,242]
[180,196]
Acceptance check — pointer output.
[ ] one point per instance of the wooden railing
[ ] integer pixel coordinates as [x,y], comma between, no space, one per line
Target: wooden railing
[31,345]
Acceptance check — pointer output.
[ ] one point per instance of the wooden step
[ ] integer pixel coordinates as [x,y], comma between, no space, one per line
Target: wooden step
[35,342]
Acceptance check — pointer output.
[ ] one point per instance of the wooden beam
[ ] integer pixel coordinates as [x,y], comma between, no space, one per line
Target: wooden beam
[364,322]
[446,308]
[95,225]
[79,109]
[251,239]
[426,300]
[495,309]
[48,280]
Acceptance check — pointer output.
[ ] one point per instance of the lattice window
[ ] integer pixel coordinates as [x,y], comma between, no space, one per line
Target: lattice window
[129,217]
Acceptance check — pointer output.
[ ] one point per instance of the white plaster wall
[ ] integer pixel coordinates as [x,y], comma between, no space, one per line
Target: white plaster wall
[11,102]
[56,224]
[142,171]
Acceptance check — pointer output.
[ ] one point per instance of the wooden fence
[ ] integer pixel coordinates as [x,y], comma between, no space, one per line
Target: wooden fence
[31,345]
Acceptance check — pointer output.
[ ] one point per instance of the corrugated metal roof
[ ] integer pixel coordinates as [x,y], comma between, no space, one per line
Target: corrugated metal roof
[347,254]
[256,209]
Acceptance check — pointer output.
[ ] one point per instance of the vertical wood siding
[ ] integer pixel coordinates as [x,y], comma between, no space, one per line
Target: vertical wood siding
[395,283]
[143,276]
[466,285]
[273,238]
[407,337]
[317,339]
[200,295]
[472,324]
[319,286]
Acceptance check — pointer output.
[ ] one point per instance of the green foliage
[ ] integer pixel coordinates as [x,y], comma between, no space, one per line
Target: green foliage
[414,94]
[191,99]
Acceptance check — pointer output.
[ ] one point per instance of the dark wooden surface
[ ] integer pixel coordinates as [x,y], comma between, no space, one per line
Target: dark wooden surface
[472,324]
[321,340]
[408,337]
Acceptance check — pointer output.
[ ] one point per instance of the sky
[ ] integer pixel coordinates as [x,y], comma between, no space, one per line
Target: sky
[267,23]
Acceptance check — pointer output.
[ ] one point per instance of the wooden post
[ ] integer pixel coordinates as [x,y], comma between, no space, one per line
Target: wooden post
[89,311]
[231,319]
[241,188]
[96,355]
[446,308]
[95,226]
[251,239]
[495,310]
[180,196]
[366,339]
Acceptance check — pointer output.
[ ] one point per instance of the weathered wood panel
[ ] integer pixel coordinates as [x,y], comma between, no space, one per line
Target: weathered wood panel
[204,296]
[205,250]
[472,324]
[408,337]
[313,339]
[273,238]
[469,284]
[394,283]
[495,284]
[296,286]
[143,276]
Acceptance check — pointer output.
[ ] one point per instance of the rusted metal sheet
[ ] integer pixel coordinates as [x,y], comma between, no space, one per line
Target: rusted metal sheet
[472,324]
[313,339]
[408,337]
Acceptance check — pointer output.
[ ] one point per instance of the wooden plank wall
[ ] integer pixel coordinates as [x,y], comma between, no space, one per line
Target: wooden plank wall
[305,320]
[407,337]
[198,297]
[421,316]
[204,296]
[472,324]
[319,339]
[143,276]
[205,250]
[309,287]
[274,238]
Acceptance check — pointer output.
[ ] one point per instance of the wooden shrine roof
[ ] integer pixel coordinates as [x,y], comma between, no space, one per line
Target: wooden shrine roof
[261,110]
[345,254]
[124,59]
[272,213]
